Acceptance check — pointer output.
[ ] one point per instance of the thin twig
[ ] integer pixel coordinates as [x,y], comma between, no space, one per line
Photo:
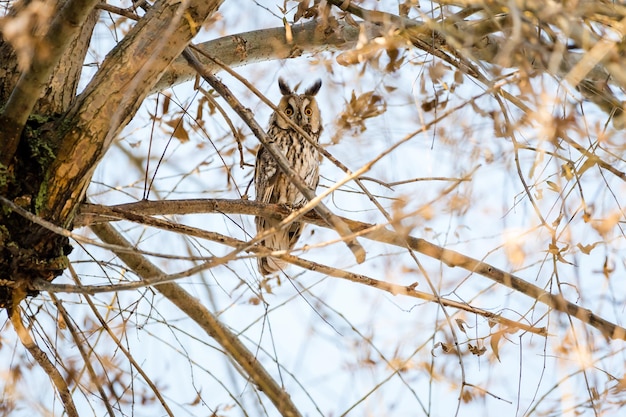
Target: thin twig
[394,289]
[125,351]
[81,344]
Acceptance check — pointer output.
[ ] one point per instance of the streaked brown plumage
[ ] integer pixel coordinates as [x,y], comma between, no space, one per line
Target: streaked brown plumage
[272,186]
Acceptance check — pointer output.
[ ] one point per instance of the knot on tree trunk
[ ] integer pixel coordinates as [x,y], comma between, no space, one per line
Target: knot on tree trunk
[27,250]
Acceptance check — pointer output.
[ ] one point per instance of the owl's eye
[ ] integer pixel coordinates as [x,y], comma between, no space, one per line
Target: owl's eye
[288,111]
[308,111]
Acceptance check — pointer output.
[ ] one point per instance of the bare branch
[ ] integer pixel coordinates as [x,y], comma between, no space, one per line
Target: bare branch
[80,345]
[119,345]
[156,280]
[374,232]
[393,289]
[206,320]
[42,359]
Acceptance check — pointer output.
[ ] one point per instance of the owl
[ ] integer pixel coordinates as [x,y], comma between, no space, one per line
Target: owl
[271,184]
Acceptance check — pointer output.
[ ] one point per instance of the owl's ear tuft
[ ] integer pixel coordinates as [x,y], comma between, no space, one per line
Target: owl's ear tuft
[312,90]
[284,87]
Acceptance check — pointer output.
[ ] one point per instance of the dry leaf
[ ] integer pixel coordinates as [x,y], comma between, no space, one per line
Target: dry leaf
[461,324]
[179,132]
[586,249]
[475,350]
[494,342]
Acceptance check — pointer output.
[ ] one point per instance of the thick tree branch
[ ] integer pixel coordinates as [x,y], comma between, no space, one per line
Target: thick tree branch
[63,84]
[235,349]
[94,213]
[113,96]
[262,45]
[33,82]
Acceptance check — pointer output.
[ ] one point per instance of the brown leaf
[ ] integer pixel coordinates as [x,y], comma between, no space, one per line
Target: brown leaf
[303,5]
[458,77]
[360,108]
[568,170]
[179,132]
[445,348]
[166,103]
[475,350]
[404,8]
[604,226]
[554,186]
[461,324]
[494,342]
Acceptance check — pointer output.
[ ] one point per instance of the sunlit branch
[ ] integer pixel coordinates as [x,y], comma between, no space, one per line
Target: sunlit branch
[127,12]
[262,45]
[394,289]
[93,214]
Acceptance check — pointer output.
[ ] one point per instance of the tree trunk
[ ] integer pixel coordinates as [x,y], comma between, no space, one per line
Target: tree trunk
[67,135]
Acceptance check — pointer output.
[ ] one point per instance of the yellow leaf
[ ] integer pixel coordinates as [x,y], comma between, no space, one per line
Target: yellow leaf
[567,170]
[586,249]
[591,161]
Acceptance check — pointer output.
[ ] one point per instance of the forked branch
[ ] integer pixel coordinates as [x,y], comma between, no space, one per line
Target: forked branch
[32,83]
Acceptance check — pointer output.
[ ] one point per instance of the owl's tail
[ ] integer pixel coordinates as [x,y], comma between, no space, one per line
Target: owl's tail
[269,265]
[281,240]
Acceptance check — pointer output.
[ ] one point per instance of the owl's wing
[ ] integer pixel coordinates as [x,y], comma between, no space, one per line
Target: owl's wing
[265,179]
[265,175]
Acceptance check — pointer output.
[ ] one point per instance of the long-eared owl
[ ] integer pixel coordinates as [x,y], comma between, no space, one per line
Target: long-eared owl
[272,186]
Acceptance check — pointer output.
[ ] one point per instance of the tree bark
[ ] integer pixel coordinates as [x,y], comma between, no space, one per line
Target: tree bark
[45,54]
